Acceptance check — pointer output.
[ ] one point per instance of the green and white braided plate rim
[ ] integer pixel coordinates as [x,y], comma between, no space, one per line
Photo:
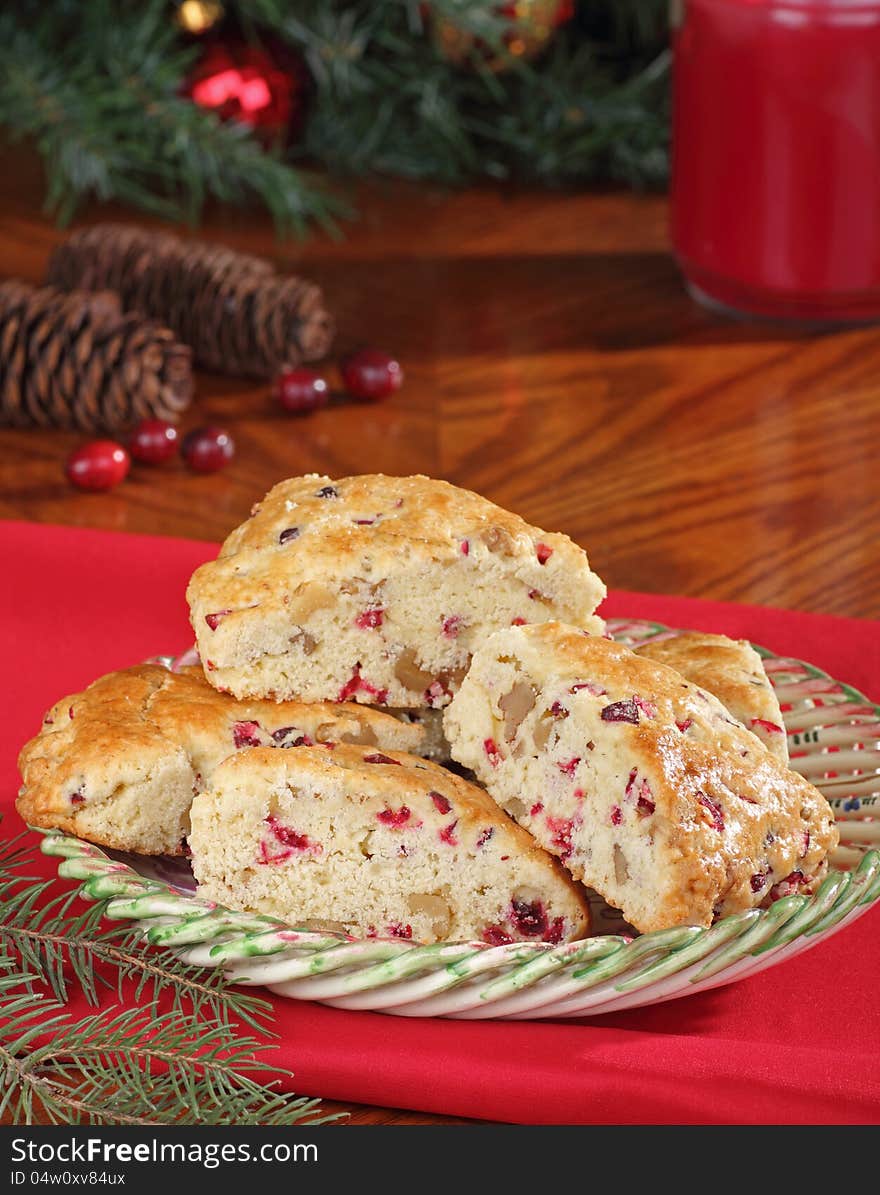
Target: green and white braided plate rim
[834,739]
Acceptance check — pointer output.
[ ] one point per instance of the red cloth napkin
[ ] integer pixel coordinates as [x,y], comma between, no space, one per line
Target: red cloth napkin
[799,1043]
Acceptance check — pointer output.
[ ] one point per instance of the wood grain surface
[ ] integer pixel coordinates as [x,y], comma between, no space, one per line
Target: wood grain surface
[554,363]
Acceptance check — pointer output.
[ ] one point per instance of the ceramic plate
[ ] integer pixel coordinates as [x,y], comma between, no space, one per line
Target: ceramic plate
[834,740]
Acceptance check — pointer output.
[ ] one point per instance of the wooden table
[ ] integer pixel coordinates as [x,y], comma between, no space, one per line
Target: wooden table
[554,363]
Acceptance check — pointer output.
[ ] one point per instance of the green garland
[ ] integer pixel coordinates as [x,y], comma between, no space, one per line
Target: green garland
[178,1057]
[97,88]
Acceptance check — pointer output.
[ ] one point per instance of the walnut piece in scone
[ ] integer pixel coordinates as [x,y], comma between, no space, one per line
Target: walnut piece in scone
[640,782]
[118,764]
[376,589]
[733,672]
[375,844]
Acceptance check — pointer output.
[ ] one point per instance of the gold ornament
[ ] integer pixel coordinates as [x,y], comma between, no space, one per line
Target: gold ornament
[532,24]
[198,16]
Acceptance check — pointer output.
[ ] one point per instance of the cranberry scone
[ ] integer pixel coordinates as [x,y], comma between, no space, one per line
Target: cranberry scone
[375,844]
[733,671]
[376,589]
[118,764]
[640,782]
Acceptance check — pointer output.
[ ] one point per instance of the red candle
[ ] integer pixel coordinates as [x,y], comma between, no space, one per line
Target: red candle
[776,156]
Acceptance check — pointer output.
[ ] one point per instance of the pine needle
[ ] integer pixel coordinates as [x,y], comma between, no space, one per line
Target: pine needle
[99,89]
[178,1057]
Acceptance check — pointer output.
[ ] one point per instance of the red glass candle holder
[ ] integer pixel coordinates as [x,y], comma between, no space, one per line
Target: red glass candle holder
[776,156]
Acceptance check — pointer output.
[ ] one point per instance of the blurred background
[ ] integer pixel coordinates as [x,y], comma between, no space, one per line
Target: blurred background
[614,264]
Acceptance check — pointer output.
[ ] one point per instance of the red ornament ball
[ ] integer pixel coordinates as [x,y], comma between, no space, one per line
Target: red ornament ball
[301,390]
[207,449]
[253,86]
[153,441]
[371,375]
[99,465]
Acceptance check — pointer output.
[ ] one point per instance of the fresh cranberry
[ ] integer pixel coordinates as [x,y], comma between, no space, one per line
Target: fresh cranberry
[685,726]
[246,734]
[492,752]
[562,829]
[77,798]
[447,834]
[371,375]
[284,732]
[452,625]
[806,845]
[758,880]
[301,390]
[288,839]
[517,622]
[370,620]
[616,815]
[357,684]
[494,935]
[153,441]
[530,919]
[543,553]
[207,449]
[558,710]
[788,886]
[100,465]
[536,808]
[769,727]
[716,814]
[484,836]
[465,547]
[554,933]
[287,836]
[569,768]
[594,689]
[621,711]
[396,930]
[644,805]
[378,757]
[648,708]
[394,818]
[214,620]
[441,804]
[435,694]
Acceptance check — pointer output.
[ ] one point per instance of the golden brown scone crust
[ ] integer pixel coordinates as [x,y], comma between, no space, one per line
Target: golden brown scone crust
[733,671]
[375,589]
[130,727]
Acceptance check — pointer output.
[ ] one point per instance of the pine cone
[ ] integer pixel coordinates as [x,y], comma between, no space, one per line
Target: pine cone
[238,315]
[74,360]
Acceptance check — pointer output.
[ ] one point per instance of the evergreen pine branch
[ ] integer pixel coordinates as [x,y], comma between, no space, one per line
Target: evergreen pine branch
[59,948]
[183,1061]
[97,87]
[103,105]
[131,1067]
